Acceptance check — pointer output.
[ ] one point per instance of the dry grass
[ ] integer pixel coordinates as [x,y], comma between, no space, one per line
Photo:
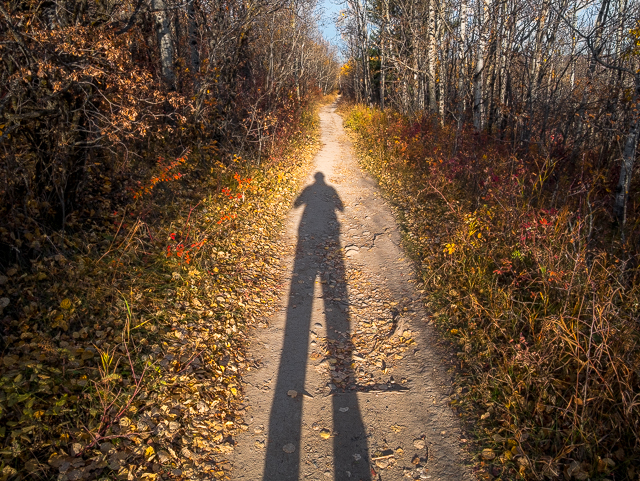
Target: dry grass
[533,286]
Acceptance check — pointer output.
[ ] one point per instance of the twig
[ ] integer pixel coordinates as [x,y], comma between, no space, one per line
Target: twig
[192,359]
[114,237]
[441,195]
[104,428]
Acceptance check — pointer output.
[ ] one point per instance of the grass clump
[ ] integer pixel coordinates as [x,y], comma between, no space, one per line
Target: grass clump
[524,273]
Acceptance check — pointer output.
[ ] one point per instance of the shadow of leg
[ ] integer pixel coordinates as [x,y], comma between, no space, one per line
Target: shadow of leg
[285,422]
[350,445]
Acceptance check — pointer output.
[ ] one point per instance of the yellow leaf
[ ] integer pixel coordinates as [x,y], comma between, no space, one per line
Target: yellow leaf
[149,453]
[59,321]
[65,304]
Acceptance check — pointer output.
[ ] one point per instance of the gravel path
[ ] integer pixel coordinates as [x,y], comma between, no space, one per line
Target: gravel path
[349,384]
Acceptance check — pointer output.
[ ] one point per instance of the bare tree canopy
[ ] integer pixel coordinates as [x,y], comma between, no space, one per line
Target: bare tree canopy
[553,75]
[85,85]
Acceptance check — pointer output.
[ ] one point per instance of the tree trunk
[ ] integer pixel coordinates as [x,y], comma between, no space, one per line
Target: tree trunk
[504,47]
[382,73]
[461,67]
[432,56]
[165,43]
[383,53]
[628,158]
[441,83]
[534,71]
[193,37]
[572,58]
[478,110]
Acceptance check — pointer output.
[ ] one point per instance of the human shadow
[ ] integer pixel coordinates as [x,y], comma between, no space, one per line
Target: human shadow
[318,256]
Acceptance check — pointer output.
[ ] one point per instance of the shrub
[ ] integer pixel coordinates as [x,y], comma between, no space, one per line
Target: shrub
[523,272]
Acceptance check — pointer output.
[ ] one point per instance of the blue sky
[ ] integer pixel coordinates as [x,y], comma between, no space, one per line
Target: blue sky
[330,9]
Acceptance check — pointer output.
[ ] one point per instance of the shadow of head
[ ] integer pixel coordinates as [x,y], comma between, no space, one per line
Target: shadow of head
[322,201]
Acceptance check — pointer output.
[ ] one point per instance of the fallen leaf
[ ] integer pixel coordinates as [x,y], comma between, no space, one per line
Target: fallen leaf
[163,457]
[488,454]
[149,453]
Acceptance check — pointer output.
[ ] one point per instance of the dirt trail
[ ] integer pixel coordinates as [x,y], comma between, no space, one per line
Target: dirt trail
[349,385]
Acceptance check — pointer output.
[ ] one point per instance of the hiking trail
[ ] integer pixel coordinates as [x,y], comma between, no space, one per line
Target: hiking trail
[349,383]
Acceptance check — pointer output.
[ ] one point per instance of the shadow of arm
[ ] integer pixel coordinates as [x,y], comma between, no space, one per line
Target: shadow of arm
[302,199]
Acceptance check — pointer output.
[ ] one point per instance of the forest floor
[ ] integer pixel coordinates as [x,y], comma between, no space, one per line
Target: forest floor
[349,379]
[122,343]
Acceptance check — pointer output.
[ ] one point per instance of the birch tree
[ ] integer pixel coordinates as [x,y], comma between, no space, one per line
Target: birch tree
[528,72]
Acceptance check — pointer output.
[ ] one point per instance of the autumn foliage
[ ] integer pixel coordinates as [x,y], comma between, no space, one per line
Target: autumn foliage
[536,290]
[146,151]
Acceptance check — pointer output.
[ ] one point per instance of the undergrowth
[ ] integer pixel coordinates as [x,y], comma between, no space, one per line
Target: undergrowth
[524,273]
[122,342]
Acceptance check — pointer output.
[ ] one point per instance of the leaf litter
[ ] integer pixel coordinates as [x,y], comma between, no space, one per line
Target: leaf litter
[121,360]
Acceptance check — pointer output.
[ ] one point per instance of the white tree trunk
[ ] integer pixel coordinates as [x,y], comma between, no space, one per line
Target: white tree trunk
[441,83]
[572,59]
[478,104]
[505,46]
[628,158]
[461,58]
[432,57]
